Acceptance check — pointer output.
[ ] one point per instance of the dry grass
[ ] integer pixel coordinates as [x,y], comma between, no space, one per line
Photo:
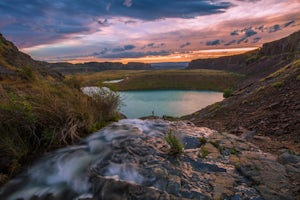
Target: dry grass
[38,115]
[200,79]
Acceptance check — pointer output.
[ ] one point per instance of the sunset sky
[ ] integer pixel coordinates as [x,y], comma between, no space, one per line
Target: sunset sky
[144,30]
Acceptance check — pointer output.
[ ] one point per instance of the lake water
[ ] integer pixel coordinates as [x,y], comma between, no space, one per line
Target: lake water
[174,103]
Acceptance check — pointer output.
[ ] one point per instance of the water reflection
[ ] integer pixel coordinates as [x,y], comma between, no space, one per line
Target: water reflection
[166,102]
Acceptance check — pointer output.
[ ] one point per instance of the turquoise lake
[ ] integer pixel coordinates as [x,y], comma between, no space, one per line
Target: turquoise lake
[174,103]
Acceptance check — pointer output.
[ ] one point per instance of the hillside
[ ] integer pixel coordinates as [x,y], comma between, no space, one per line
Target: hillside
[40,110]
[258,63]
[269,105]
[91,67]
[12,61]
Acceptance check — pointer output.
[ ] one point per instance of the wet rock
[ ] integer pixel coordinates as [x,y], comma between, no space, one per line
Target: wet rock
[129,160]
[287,158]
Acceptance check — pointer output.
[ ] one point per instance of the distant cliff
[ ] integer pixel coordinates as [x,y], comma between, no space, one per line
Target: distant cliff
[260,62]
[68,68]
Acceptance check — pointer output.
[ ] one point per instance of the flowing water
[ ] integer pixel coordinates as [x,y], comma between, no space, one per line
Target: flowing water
[174,103]
[126,160]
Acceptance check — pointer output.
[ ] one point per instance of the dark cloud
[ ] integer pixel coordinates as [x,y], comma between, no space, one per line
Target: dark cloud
[134,54]
[151,10]
[235,32]
[244,34]
[230,43]
[124,48]
[240,40]
[185,45]
[129,47]
[154,45]
[213,43]
[289,23]
[250,32]
[256,39]
[104,22]
[74,16]
[274,28]
[130,22]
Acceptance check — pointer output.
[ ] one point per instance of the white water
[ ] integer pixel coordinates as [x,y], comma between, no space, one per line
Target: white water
[129,151]
[113,81]
[69,168]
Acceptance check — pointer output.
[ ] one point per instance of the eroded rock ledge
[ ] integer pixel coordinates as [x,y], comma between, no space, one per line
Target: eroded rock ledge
[130,160]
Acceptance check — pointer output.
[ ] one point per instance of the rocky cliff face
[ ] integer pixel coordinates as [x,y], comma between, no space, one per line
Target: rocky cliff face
[259,63]
[68,68]
[130,160]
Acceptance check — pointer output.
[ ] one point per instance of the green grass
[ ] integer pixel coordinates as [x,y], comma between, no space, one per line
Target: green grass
[278,84]
[203,152]
[227,92]
[176,147]
[163,79]
[202,140]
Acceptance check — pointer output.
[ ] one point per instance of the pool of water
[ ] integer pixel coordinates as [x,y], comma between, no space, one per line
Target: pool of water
[174,103]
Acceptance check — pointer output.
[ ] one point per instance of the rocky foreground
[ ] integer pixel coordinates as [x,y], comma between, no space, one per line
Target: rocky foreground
[130,159]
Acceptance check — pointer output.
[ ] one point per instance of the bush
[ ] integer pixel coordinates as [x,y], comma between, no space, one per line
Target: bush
[202,140]
[203,152]
[176,146]
[298,78]
[227,93]
[278,84]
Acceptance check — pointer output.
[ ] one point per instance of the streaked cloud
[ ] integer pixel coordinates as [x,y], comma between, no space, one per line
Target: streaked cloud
[114,29]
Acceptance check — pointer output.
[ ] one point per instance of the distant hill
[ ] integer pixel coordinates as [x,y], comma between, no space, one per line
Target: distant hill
[258,63]
[267,104]
[68,68]
[170,65]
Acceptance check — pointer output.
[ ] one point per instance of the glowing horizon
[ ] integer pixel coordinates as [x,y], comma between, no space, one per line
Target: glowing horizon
[144,30]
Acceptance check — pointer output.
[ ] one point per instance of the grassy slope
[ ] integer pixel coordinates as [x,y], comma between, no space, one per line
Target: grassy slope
[40,111]
[164,79]
[269,106]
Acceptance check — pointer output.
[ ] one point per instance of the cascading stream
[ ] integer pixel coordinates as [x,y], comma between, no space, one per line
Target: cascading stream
[129,157]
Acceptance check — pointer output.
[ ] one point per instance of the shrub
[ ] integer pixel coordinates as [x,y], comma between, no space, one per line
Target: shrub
[202,140]
[176,146]
[298,78]
[203,152]
[39,115]
[27,73]
[234,151]
[278,84]
[227,93]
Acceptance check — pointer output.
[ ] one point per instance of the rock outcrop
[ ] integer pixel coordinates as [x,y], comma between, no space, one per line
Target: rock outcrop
[131,159]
